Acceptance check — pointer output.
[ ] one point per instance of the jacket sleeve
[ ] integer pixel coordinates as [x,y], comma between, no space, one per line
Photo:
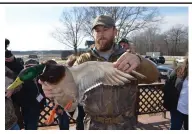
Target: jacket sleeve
[83,58]
[148,69]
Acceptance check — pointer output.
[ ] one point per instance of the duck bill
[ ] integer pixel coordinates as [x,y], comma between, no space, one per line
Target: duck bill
[15,84]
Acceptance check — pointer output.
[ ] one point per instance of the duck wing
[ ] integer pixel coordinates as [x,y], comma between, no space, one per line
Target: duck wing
[92,73]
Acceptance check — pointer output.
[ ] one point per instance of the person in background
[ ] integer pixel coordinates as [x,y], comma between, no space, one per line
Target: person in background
[27,107]
[33,100]
[125,44]
[10,116]
[179,115]
[16,67]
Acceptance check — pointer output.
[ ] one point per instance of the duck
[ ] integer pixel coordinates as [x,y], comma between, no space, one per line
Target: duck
[73,82]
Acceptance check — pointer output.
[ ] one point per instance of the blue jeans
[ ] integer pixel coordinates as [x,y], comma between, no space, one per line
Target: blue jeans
[63,121]
[178,119]
[15,127]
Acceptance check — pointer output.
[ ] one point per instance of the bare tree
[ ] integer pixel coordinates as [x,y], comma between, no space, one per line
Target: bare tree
[77,22]
[172,42]
[147,41]
[71,34]
[177,39]
[127,19]
[151,35]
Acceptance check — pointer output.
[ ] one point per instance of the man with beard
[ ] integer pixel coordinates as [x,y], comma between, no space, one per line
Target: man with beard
[112,107]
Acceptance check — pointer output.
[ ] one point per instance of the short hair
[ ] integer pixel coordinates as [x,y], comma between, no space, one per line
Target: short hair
[7,42]
[53,62]
[31,61]
[124,40]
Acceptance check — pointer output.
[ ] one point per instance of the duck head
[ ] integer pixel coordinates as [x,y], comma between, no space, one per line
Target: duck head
[27,74]
[53,74]
[60,79]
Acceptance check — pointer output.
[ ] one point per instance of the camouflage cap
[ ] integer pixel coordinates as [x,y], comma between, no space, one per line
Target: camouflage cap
[124,40]
[103,20]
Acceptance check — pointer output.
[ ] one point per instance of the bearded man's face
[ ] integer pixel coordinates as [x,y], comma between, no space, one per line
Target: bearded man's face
[104,37]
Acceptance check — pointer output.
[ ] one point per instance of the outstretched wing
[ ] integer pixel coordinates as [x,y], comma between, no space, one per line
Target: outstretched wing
[91,73]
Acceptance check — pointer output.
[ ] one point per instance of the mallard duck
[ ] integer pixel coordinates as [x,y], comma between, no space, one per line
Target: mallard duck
[73,82]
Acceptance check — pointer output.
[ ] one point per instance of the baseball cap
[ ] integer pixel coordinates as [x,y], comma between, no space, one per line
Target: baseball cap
[31,62]
[124,40]
[103,20]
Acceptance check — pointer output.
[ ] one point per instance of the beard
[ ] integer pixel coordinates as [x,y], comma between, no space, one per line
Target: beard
[103,44]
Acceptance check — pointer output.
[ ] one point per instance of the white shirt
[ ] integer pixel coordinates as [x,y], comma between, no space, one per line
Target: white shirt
[183,98]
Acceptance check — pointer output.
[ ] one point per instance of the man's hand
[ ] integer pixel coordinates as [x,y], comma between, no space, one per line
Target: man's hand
[9,93]
[127,62]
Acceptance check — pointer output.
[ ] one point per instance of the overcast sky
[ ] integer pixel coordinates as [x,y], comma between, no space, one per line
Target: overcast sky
[29,27]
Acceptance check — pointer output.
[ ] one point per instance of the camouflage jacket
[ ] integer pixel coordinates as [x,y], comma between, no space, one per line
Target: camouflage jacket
[10,117]
[113,102]
[92,55]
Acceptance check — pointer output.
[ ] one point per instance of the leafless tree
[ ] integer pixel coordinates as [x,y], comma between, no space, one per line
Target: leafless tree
[148,40]
[127,19]
[172,42]
[70,33]
[177,39]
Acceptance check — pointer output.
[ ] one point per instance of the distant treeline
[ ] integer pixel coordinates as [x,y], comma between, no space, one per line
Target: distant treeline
[37,52]
[62,53]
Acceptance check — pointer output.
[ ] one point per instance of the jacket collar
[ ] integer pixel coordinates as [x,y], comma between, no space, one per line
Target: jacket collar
[116,51]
